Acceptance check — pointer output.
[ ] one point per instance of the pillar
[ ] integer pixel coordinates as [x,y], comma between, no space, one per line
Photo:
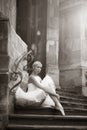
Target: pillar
[72,47]
[52,40]
[4,62]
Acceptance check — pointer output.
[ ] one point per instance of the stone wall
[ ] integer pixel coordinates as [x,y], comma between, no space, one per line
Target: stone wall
[84,47]
[7,14]
[4,63]
[72,47]
[8,8]
[11,47]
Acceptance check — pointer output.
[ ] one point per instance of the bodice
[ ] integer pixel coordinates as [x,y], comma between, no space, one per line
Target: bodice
[31,86]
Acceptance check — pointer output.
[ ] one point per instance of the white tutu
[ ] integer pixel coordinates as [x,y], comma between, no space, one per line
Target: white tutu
[48,83]
[36,96]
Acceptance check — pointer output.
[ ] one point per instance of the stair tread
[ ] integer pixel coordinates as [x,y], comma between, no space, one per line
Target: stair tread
[73,98]
[48,108]
[48,116]
[79,109]
[45,118]
[77,103]
[43,126]
[70,93]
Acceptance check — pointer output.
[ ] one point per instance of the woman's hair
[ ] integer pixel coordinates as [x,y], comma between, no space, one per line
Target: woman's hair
[36,63]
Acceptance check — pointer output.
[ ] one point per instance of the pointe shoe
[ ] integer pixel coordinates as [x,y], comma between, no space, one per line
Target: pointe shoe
[62,112]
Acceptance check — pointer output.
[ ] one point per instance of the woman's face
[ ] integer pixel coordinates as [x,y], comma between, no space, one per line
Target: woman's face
[37,68]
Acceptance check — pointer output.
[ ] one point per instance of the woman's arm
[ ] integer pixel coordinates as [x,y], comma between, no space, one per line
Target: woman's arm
[39,85]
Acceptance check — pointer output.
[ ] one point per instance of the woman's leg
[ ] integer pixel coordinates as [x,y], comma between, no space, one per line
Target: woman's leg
[50,86]
[58,105]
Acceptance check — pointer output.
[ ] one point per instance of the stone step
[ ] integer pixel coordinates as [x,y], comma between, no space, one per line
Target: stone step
[69,101]
[26,119]
[70,94]
[36,110]
[38,118]
[75,99]
[73,104]
[48,111]
[75,111]
[42,127]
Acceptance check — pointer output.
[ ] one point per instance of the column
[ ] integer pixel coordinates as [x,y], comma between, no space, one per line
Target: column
[52,40]
[72,47]
[4,62]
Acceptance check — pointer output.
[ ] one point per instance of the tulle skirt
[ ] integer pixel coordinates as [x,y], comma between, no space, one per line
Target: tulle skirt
[36,96]
[32,98]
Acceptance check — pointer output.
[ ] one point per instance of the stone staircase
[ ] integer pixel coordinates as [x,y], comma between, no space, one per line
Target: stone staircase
[75,107]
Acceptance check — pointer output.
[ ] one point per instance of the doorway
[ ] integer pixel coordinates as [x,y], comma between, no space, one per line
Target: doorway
[32,26]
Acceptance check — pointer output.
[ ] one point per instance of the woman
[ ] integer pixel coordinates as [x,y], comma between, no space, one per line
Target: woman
[40,92]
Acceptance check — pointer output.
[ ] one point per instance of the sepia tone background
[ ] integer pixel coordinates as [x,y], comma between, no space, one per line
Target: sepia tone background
[57,28]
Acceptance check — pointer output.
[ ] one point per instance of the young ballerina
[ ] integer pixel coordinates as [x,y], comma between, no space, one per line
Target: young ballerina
[40,92]
[45,88]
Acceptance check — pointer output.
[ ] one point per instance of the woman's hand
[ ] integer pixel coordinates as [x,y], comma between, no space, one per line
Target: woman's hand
[55,95]
[58,96]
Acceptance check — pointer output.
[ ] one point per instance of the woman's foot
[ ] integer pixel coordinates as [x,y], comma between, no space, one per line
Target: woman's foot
[61,110]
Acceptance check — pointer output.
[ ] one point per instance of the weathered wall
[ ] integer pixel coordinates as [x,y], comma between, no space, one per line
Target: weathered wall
[84,47]
[8,8]
[70,44]
[52,39]
[4,63]
[72,47]
[11,47]
[7,15]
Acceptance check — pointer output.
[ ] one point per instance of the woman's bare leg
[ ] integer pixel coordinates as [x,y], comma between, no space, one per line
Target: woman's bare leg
[58,105]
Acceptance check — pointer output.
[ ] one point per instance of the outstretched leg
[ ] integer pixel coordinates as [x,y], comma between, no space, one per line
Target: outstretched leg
[58,105]
[50,89]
